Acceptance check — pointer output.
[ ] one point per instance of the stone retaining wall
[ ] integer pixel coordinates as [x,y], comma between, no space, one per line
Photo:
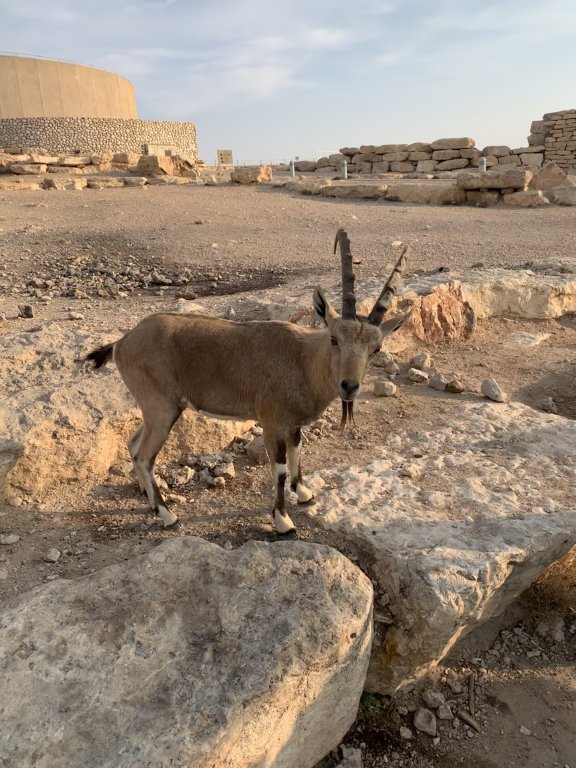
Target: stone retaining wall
[557,132]
[89,135]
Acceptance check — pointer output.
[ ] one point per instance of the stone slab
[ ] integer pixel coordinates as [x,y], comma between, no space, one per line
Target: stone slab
[455,536]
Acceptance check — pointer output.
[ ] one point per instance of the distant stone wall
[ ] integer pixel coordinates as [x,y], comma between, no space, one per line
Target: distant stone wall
[437,157]
[89,135]
[557,132]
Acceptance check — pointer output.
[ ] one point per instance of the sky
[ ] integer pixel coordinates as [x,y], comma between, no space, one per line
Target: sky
[278,79]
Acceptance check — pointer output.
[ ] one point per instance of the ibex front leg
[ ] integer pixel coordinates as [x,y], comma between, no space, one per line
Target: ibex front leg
[303,493]
[276,448]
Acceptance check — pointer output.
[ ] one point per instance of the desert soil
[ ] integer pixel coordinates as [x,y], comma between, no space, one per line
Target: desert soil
[107,258]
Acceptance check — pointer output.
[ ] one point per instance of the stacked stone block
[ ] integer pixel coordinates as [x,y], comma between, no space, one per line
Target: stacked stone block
[436,158]
[557,132]
[90,135]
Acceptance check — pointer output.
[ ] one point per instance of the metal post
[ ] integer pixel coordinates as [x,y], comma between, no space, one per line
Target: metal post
[344,169]
[292,168]
[482,164]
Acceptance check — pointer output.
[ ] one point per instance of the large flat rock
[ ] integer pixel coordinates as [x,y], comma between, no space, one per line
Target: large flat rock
[455,523]
[61,426]
[188,656]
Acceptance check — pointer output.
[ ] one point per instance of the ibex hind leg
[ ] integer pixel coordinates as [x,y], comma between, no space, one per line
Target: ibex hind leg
[304,494]
[276,449]
[133,443]
[156,428]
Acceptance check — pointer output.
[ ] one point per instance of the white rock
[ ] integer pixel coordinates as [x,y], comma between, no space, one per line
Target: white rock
[422,361]
[352,757]
[9,538]
[525,731]
[226,471]
[425,721]
[444,712]
[405,733]
[439,382]
[492,390]
[52,555]
[433,699]
[549,405]
[227,662]
[385,389]
[421,377]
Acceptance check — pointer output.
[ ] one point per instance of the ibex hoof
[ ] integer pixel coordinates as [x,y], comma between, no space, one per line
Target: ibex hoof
[289,535]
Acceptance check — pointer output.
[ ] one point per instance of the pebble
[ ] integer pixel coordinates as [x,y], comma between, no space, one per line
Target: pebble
[3,574]
[256,450]
[385,389]
[421,361]
[228,546]
[433,699]
[9,538]
[382,359]
[405,733]
[439,382]
[75,316]
[425,721]
[25,310]
[454,685]
[444,712]
[455,387]
[415,374]
[492,390]
[525,731]
[216,482]
[225,470]
[549,405]
[52,556]
[352,757]
[412,470]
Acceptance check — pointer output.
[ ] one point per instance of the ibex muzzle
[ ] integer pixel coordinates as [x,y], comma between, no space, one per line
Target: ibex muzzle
[279,373]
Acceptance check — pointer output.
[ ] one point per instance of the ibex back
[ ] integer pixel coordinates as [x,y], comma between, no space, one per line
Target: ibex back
[279,373]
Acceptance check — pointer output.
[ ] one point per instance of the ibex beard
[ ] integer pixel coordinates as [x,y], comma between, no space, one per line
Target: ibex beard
[278,373]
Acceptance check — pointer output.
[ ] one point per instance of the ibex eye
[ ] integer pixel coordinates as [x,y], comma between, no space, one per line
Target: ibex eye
[375,351]
[333,341]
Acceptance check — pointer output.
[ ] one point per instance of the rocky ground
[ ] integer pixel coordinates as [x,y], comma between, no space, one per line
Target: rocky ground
[100,260]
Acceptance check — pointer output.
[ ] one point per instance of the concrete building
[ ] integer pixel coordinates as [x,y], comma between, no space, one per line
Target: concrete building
[65,107]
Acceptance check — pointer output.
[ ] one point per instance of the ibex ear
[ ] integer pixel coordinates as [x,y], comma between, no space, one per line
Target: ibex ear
[323,308]
[389,326]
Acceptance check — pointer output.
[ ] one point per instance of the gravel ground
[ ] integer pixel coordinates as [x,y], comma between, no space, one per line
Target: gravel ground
[105,258]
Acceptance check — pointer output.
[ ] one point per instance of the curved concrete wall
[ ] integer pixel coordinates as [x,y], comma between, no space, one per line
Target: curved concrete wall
[32,87]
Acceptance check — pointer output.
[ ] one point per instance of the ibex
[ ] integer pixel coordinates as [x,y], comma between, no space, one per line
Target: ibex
[279,373]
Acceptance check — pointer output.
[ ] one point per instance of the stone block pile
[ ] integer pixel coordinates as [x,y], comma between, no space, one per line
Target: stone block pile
[437,157]
[37,168]
[557,132]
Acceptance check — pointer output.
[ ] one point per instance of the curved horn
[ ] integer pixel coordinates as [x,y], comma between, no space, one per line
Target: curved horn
[390,289]
[348,278]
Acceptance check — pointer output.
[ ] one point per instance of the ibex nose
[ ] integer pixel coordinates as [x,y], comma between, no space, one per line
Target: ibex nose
[349,388]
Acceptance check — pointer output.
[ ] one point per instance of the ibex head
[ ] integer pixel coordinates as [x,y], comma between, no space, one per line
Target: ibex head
[356,338]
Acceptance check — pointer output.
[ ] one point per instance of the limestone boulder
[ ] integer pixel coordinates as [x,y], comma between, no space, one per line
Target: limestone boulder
[508,160]
[453,165]
[445,154]
[549,176]
[155,165]
[563,195]
[429,192]
[28,169]
[189,655]
[55,181]
[496,150]
[168,180]
[75,160]
[495,179]
[11,183]
[126,158]
[426,166]
[402,167]
[531,159]
[382,166]
[449,556]
[355,191]
[104,182]
[385,149]
[62,427]
[307,186]
[305,166]
[440,315]
[259,174]
[531,198]
[459,143]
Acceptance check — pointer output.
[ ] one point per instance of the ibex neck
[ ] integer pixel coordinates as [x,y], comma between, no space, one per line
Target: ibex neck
[325,388]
